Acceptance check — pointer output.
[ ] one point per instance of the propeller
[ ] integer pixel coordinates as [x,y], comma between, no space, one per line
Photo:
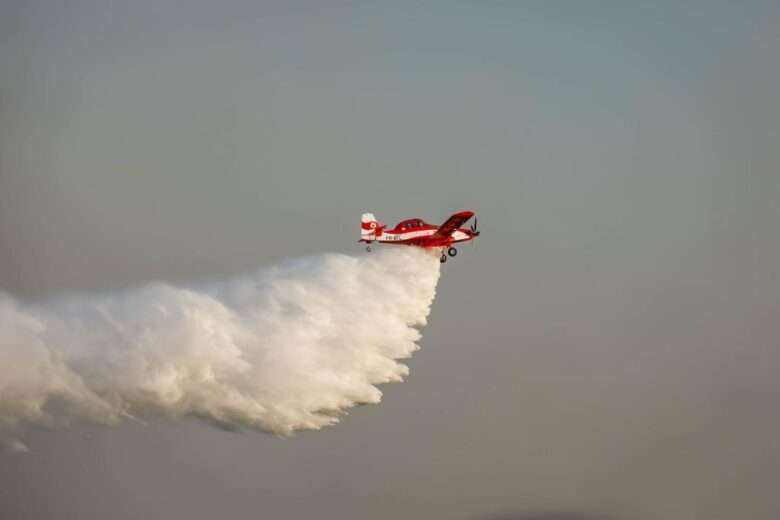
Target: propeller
[474,227]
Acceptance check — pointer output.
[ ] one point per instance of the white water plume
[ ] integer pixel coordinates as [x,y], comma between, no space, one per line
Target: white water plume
[287,348]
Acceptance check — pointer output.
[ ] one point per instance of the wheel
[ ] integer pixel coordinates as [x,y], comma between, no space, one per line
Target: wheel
[452,251]
[443,258]
[368,248]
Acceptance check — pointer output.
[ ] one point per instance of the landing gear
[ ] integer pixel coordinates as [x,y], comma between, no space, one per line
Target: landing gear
[452,251]
[443,257]
[368,249]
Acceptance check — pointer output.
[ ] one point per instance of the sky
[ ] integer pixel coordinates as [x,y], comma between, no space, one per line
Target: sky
[607,350]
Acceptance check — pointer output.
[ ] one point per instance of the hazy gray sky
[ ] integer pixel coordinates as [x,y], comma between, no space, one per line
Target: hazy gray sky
[608,349]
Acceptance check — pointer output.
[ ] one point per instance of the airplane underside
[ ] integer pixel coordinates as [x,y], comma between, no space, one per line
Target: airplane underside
[445,249]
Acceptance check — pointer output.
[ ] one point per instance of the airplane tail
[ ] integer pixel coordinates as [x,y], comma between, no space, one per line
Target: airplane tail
[368,227]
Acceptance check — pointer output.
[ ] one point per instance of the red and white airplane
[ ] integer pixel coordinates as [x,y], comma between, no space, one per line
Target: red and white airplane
[415,232]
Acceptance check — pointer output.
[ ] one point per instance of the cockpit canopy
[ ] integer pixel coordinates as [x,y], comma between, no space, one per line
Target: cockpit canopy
[411,223]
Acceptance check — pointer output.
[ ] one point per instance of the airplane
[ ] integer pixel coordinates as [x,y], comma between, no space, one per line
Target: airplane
[415,232]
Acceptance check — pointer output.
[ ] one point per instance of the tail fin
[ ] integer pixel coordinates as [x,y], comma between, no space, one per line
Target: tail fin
[368,227]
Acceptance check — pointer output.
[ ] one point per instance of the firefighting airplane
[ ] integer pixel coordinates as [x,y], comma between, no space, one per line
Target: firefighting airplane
[415,232]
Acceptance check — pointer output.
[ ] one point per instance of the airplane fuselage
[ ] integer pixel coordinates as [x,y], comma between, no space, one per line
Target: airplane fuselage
[412,236]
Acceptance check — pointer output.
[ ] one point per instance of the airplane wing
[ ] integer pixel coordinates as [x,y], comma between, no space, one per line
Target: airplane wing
[452,224]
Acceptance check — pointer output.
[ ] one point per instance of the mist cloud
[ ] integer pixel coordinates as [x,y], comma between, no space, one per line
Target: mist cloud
[287,348]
